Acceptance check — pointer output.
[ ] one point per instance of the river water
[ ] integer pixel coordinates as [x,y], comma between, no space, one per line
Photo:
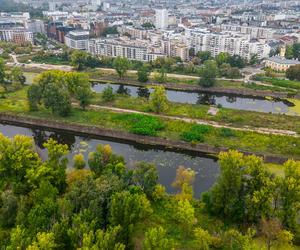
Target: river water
[167,161]
[259,104]
[238,102]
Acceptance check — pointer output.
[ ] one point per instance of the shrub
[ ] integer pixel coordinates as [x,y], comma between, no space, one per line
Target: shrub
[142,124]
[226,132]
[79,162]
[146,125]
[108,94]
[196,133]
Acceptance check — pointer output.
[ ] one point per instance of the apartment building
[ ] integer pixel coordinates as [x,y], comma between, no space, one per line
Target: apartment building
[17,35]
[116,47]
[77,39]
[230,43]
[161,19]
[133,32]
[175,48]
[252,31]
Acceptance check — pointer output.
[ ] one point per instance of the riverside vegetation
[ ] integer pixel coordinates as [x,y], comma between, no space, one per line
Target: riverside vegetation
[52,96]
[44,205]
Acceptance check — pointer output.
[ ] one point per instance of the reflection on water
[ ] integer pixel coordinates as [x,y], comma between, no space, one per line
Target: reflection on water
[143,92]
[227,101]
[206,99]
[260,104]
[167,161]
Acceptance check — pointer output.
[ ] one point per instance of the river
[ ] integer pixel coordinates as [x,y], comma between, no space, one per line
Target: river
[166,160]
[260,104]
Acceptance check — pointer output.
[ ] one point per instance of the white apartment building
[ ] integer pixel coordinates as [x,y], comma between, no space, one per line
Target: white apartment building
[17,35]
[133,32]
[161,19]
[233,44]
[77,39]
[175,48]
[252,31]
[115,48]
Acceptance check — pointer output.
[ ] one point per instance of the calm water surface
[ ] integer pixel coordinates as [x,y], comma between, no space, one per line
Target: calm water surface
[167,161]
[226,101]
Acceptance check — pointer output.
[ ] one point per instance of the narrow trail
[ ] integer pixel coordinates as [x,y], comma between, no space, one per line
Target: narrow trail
[198,121]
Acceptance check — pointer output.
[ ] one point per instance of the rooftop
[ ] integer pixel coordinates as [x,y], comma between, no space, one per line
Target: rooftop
[281,60]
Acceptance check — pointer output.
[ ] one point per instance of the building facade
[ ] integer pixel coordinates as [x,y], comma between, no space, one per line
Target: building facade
[77,39]
[161,19]
[16,35]
[112,48]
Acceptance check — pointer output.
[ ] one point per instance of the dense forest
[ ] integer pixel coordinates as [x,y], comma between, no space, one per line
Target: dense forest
[99,203]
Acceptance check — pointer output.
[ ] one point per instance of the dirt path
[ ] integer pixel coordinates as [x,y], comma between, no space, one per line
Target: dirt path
[201,122]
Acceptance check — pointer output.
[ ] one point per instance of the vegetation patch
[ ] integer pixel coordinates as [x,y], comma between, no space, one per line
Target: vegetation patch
[226,132]
[196,133]
[142,124]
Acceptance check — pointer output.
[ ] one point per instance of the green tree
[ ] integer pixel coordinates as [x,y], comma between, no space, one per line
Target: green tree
[233,239]
[289,52]
[253,59]
[202,239]
[158,100]
[237,61]
[209,73]
[102,159]
[204,55]
[143,74]
[101,240]
[293,72]
[160,76]
[2,71]
[45,209]
[53,170]
[17,76]
[8,208]
[222,58]
[121,65]
[34,96]
[79,59]
[18,238]
[145,176]
[296,50]
[127,209]
[273,234]
[156,239]
[225,197]
[185,215]
[18,157]
[44,241]
[83,95]
[108,94]
[57,99]
[79,162]
[290,194]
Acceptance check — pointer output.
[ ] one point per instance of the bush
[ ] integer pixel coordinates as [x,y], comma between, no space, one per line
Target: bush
[79,162]
[142,124]
[196,133]
[108,94]
[226,132]
[146,125]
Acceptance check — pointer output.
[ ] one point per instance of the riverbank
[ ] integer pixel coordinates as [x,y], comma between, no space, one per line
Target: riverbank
[122,135]
[194,88]
[178,82]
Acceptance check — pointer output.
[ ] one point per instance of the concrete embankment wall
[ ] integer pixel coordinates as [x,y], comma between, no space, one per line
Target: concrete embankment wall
[121,135]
